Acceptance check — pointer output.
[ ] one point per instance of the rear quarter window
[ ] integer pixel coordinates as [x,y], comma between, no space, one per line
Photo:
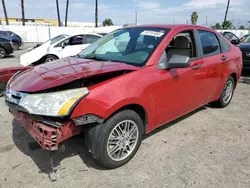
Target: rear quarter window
[225,46]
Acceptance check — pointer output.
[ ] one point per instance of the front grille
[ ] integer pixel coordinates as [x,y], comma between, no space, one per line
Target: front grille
[14,96]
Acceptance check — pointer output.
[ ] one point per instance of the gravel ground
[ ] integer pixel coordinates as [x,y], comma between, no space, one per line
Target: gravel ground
[207,148]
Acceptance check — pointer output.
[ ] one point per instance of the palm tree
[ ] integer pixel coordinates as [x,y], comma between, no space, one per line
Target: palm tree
[23,15]
[66,14]
[5,13]
[58,13]
[96,13]
[228,3]
[194,18]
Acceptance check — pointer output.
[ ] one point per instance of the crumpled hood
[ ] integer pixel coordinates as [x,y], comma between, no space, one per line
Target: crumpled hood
[62,71]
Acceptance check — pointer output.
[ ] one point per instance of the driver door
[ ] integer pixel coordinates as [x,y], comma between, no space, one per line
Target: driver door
[179,90]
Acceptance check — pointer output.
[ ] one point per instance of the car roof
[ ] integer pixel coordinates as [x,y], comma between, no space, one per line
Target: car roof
[171,26]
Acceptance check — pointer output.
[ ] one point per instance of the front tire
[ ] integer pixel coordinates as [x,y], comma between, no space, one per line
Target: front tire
[115,142]
[227,93]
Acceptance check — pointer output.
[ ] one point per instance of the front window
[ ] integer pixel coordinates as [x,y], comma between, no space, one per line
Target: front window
[130,45]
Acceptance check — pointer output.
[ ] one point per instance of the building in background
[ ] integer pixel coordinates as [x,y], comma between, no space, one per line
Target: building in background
[30,22]
[82,24]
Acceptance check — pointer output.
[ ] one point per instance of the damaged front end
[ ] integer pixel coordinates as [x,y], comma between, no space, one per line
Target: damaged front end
[46,114]
[48,134]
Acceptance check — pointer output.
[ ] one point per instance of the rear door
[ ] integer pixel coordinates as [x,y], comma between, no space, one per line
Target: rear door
[214,62]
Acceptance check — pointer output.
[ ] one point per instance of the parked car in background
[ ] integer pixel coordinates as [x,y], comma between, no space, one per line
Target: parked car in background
[5,47]
[51,41]
[245,49]
[57,48]
[244,37]
[13,37]
[123,86]
[231,37]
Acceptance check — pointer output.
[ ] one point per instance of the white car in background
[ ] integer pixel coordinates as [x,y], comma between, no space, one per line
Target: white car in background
[59,47]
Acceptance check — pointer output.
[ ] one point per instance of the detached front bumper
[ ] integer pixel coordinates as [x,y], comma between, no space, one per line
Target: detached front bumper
[47,136]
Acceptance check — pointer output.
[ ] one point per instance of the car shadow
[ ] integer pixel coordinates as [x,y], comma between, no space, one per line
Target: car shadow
[161,128]
[48,161]
[9,56]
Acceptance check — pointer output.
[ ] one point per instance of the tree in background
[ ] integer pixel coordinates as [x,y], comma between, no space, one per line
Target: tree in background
[227,25]
[107,22]
[217,26]
[96,13]
[5,13]
[66,13]
[242,27]
[22,9]
[194,18]
[58,13]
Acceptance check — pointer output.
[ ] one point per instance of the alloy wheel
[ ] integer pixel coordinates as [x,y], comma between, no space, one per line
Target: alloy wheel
[122,140]
[228,91]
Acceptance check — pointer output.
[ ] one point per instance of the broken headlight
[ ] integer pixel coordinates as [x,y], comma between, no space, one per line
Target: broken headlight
[53,104]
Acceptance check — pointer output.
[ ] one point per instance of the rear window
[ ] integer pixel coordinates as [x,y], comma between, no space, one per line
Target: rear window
[209,42]
[225,46]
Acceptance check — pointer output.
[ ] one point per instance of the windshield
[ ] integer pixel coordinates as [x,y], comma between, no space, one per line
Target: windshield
[247,39]
[130,45]
[56,39]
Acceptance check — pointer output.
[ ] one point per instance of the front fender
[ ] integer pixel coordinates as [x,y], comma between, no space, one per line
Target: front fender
[105,107]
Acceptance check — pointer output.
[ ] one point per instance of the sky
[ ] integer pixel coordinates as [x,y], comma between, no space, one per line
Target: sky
[123,11]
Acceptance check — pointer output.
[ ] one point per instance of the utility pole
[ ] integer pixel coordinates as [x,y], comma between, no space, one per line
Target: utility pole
[66,14]
[173,20]
[5,13]
[228,3]
[58,13]
[96,13]
[206,21]
[136,17]
[23,15]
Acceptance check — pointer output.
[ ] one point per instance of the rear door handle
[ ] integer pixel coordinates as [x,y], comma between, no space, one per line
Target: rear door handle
[195,67]
[224,58]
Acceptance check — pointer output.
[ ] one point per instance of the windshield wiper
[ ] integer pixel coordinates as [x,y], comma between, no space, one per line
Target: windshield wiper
[96,58]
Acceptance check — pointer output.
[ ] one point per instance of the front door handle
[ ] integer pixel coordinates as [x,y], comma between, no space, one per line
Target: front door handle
[195,67]
[224,58]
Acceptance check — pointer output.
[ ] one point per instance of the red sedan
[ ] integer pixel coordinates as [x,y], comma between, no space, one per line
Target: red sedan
[123,86]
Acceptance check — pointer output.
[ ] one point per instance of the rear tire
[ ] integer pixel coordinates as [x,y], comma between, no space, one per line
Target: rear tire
[115,142]
[15,46]
[3,52]
[49,58]
[227,94]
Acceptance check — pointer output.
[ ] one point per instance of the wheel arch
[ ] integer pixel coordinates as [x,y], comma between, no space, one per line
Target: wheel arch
[51,55]
[234,75]
[139,109]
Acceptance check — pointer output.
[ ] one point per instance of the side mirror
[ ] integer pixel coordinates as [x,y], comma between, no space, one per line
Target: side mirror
[64,44]
[235,41]
[176,61]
